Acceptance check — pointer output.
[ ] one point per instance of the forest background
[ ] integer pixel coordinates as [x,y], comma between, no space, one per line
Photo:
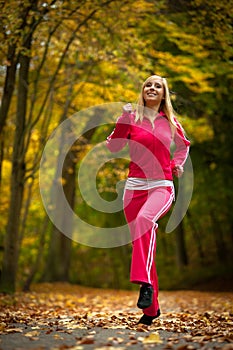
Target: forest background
[62,57]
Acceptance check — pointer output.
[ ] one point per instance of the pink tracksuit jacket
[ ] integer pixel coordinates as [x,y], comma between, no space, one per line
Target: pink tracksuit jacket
[149,143]
[150,154]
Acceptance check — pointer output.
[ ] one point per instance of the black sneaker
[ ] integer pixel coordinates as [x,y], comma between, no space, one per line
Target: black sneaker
[145,297]
[147,320]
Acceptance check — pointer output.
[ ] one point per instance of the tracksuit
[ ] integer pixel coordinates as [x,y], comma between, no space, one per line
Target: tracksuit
[149,190]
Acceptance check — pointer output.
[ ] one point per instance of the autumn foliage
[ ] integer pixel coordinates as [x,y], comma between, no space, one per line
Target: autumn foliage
[62,316]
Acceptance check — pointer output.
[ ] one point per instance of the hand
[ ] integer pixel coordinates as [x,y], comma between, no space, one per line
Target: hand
[128,108]
[178,170]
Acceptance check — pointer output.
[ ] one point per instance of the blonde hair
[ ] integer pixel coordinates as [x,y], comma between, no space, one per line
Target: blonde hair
[165,106]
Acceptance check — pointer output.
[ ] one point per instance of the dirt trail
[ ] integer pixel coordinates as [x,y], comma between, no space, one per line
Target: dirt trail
[63,316]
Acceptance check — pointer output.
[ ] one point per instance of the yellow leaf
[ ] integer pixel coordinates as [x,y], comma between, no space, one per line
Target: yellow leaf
[32,334]
[2,326]
[153,338]
[14,330]
[57,336]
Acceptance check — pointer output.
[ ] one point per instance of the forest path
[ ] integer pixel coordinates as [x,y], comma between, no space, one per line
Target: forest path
[63,316]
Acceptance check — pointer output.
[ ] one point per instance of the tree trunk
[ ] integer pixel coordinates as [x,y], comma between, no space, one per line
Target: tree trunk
[181,252]
[8,86]
[221,248]
[6,98]
[11,249]
[58,263]
[1,157]
[10,258]
[35,267]
[196,236]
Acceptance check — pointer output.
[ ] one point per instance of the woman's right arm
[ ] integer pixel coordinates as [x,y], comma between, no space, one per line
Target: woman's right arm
[120,135]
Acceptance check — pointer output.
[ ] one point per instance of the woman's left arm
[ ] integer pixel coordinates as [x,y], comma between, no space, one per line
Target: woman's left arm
[181,152]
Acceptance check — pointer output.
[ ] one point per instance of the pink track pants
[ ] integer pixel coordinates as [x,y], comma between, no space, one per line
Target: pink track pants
[142,210]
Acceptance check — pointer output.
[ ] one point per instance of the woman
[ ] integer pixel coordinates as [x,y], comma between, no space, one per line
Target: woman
[149,191]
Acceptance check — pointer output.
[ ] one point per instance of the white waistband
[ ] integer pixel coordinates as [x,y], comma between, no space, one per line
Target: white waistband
[133,183]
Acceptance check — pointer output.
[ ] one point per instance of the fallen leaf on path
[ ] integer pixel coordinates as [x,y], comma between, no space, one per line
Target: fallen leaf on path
[87,341]
[153,338]
[57,336]
[14,330]
[32,334]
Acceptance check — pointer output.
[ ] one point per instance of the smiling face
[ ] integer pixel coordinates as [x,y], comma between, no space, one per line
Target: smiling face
[153,91]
